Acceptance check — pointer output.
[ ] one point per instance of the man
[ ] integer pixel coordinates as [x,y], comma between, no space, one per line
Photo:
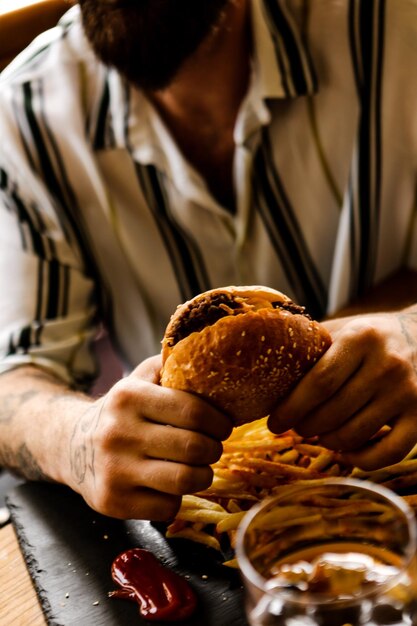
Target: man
[152,149]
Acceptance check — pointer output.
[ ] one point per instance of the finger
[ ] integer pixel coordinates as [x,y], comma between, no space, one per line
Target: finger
[327,376]
[390,449]
[177,444]
[135,396]
[149,369]
[352,398]
[184,410]
[175,478]
[356,432]
[381,409]
[153,505]
[140,503]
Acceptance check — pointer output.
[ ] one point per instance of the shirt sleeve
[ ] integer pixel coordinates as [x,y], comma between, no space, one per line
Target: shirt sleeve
[48,307]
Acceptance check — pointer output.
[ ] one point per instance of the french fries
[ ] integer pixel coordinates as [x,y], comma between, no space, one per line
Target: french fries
[255,464]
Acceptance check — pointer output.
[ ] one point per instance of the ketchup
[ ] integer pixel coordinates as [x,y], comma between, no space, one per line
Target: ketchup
[162,594]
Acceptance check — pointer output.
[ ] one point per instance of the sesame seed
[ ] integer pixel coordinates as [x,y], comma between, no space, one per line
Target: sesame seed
[263,338]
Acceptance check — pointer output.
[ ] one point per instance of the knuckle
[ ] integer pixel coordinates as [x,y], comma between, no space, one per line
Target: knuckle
[190,414]
[370,334]
[396,365]
[191,479]
[108,436]
[193,448]
[365,331]
[185,479]
[107,503]
[122,395]
[200,450]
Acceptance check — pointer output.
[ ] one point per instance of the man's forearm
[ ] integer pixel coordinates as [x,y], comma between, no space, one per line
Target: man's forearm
[407,317]
[39,417]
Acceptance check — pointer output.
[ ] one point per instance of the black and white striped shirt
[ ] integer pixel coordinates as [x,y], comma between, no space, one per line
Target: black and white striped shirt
[101,217]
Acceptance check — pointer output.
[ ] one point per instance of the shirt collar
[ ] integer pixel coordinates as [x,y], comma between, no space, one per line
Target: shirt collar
[281,68]
[282,62]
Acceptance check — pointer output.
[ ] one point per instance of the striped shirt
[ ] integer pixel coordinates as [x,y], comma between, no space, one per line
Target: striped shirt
[102,217]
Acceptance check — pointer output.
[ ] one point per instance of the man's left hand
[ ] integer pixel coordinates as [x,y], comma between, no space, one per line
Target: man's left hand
[366,380]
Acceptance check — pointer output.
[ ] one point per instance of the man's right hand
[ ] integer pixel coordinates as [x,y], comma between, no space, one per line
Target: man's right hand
[138,449]
[130,454]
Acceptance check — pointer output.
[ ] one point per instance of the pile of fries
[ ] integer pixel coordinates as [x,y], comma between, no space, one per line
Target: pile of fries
[255,463]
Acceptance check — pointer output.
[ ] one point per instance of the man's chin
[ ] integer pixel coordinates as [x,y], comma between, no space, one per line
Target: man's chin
[148,41]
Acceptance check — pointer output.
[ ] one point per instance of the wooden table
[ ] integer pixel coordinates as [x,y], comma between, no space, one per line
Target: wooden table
[18,600]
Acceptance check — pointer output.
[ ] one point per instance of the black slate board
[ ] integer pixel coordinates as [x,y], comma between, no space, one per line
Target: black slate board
[69,549]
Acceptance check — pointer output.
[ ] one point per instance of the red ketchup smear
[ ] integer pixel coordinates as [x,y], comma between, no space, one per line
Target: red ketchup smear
[162,594]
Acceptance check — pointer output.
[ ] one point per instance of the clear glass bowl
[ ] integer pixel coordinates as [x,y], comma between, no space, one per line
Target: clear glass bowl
[331,552]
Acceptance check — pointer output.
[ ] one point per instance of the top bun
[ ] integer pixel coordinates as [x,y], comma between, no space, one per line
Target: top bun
[241,348]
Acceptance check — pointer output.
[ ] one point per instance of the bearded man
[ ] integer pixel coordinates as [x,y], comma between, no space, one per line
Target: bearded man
[153,149]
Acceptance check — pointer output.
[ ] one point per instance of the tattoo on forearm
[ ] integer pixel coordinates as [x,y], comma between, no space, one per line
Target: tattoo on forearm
[408,323]
[12,402]
[82,451]
[21,462]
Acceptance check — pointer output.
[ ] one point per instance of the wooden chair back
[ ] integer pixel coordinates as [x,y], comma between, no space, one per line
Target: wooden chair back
[20,26]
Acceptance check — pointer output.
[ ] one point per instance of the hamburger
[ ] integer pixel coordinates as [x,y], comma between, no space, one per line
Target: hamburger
[241,348]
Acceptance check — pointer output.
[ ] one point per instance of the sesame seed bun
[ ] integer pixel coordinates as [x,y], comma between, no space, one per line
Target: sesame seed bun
[241,348]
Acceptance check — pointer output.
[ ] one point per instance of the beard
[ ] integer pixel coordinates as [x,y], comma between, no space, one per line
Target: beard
[148,41]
